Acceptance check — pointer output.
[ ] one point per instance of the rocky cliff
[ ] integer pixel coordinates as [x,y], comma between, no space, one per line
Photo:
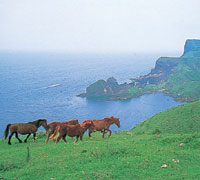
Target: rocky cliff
[178,77]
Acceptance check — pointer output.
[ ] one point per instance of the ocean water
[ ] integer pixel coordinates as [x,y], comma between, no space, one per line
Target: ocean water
[45,85]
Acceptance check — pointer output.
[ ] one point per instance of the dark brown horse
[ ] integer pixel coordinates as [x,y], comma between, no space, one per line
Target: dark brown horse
[52,126]
[24,128]
[78,130]
[103,125]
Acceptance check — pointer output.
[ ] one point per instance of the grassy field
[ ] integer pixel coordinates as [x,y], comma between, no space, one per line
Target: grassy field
[125,155]
[122,156]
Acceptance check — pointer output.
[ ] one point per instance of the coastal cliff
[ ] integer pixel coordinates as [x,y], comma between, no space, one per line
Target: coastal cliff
[178,77]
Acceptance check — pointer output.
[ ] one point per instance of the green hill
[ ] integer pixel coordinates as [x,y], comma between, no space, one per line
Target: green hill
[181,119]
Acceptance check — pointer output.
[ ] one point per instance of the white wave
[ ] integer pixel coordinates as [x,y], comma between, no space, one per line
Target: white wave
[51,86]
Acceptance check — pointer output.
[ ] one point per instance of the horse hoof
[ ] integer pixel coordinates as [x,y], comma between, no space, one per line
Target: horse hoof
[9,143]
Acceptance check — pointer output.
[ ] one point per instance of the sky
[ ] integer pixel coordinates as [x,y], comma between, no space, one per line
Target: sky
[98,25]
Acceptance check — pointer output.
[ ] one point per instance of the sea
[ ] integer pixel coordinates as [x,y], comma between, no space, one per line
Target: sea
[45,85]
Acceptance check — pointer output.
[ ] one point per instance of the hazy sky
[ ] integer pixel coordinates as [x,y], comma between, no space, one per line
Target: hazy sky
[98,25]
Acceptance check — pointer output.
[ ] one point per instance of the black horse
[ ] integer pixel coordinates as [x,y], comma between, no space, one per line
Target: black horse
[24,128]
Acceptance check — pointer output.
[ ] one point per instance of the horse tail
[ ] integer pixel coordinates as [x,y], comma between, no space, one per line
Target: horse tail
[55,134]
[6,131]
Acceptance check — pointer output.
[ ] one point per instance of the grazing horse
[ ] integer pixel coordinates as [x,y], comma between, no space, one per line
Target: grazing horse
[52,126]
[103,125]
[24,128]
[78,130]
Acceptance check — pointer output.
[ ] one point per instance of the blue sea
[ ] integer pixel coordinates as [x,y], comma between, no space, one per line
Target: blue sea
[45,85]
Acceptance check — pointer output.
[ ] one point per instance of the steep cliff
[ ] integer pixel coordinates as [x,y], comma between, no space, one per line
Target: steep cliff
[178,77]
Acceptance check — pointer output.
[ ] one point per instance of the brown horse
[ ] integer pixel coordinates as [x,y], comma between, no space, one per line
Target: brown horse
[52,126]
[78,130]
[24,128]
[103,125]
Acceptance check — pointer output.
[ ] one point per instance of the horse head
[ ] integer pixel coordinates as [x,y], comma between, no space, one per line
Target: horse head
[43,122]
[115,120]
[89,124]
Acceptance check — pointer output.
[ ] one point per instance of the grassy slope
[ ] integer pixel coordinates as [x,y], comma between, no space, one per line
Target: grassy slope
[180,119]
[125,155]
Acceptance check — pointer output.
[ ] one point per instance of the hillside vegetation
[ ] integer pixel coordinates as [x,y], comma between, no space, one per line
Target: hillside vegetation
[177,120]
[168,149]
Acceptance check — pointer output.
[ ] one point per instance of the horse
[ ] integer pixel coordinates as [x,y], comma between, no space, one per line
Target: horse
[78,130]
[24,128]
[52,127]
[103,125]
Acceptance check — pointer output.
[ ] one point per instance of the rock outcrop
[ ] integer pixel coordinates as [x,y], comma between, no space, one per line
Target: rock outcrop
[178,77]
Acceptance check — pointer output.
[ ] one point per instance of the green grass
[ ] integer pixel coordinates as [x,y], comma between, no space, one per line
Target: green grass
[134,90]
[122,156]
[184,84]
[135,154]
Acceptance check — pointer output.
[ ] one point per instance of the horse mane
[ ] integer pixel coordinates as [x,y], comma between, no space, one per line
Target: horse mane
[36,122]
[108,118]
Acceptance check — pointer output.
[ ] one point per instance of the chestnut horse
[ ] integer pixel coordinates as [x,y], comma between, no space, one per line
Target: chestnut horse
[103,125]
[52,126]
[78,130]
[24,128]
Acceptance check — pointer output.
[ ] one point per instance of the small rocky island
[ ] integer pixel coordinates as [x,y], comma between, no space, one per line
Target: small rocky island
[178,77]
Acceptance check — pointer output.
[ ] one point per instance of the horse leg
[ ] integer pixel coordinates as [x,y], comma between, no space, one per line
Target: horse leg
[103,133]
[76,139]
[81,137]
[110,132]
[48,135]
[90,134]
[64,138]
[16,135]
[25,141]
[58,139]
[10,138]
[34,136]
